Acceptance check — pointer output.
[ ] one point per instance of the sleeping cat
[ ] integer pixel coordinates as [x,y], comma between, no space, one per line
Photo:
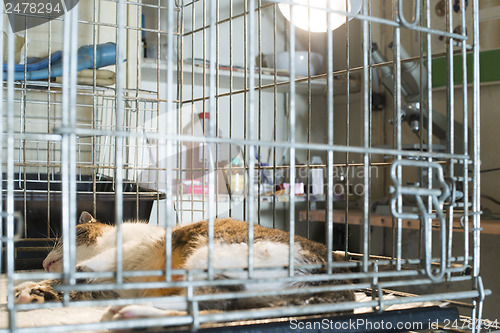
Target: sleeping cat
[144,249]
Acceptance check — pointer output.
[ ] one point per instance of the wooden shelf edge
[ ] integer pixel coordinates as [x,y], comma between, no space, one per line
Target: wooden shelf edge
[491,227]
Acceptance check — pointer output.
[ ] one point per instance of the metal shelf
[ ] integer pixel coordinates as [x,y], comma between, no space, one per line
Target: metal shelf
[239,77]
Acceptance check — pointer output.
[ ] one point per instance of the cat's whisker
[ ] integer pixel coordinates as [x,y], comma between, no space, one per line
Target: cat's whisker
[52,230]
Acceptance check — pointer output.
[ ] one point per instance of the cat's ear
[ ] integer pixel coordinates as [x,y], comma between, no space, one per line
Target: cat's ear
[85,217]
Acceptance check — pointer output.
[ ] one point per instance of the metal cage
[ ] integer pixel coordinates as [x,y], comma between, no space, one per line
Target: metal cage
[222,109]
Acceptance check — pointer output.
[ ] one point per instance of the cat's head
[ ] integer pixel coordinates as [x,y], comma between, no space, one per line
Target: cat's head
[88,232]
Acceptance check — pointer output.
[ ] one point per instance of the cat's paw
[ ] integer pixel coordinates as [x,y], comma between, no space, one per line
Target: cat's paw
[34,292]
[85,269]
[137,311]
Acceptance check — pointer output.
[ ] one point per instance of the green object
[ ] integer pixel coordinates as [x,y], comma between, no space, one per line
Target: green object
[236,161]
[489,68]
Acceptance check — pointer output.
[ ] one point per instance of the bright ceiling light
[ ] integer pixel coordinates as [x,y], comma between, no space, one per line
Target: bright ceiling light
[317,19]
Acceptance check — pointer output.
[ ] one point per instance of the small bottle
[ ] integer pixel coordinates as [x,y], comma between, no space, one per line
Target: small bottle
[317,180]
[143,38]
[203,151]
[198,153]
[237,176]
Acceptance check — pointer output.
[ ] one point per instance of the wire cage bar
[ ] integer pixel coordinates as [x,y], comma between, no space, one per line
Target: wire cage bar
[175,111]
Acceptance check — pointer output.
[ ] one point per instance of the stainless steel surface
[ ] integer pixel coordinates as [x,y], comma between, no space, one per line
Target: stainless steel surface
[330,101]
[476,184]
[144,133]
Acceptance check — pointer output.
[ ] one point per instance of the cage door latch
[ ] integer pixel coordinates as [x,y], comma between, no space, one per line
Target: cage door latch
[437,193]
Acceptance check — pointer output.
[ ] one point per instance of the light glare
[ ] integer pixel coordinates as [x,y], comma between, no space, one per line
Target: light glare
[316,19]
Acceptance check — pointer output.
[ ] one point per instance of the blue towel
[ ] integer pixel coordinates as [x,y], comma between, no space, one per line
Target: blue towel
[35,63]
[38,70]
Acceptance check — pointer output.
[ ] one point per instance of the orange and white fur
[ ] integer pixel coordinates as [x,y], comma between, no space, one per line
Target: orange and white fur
[144,249]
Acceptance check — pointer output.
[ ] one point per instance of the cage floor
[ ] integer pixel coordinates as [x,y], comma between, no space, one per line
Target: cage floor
[93,314]
[49,317]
